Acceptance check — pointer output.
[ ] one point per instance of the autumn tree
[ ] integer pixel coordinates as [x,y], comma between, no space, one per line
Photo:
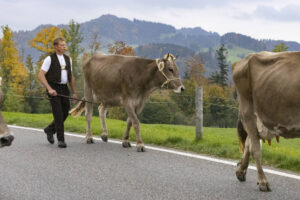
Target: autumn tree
[120,48]
[12,71]
[195,69]
[43,41]
[280,47]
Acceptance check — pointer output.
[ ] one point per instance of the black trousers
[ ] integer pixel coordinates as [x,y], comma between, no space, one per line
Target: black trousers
[60,110]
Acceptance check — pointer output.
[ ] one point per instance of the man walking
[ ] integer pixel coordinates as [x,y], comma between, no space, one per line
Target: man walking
[55,73]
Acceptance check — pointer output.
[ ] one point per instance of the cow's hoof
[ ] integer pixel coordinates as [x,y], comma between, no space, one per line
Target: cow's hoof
[126,144]
[104,138]
[141,148]
[90,141]
[241,176]
[264,187]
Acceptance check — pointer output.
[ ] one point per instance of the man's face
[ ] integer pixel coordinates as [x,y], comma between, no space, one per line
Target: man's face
[61,47]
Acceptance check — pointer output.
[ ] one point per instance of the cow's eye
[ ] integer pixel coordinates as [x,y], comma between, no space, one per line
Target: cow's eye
[171,70]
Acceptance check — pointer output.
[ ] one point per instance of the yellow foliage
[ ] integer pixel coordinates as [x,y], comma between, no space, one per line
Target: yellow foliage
[121,48]
[214,91]
[43,41]
[12,70]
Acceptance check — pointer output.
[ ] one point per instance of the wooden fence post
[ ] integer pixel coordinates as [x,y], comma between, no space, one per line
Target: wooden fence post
[199,112]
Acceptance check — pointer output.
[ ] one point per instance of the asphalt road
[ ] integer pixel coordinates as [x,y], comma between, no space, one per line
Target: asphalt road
[34,169]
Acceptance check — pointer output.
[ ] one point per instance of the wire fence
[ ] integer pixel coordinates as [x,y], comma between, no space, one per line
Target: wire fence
[161,107]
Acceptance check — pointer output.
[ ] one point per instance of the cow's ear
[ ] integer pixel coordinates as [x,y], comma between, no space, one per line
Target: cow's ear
[160,64]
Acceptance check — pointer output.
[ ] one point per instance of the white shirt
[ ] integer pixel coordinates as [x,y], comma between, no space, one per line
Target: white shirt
[62,62]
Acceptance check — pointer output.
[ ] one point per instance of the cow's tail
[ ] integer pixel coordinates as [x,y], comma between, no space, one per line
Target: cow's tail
[242,134]
[78,109]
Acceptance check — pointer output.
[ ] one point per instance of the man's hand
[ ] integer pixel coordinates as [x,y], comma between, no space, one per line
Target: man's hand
[52,92]
[75,97]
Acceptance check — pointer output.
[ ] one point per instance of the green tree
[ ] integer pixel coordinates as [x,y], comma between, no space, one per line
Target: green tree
[32,92]
[158,111]
[73,39]
[221,77]
[13,102]
[186,101]
[215,105]
[280,47]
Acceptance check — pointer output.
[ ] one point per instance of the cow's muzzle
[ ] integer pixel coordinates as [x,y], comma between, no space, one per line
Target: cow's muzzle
[6,140]
[179,89]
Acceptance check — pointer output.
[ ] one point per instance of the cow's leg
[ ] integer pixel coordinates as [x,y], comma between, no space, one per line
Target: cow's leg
[88,118]
[126,142]
[254,146]
[243,165]
[102,114]
[136,125]
[255,150]
[88,94]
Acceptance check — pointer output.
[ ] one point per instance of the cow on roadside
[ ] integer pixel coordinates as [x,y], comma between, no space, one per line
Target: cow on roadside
[114,80]
[268,87]
[5,136]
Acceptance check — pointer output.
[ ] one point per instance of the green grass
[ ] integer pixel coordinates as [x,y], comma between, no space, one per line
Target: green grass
[220,142]
[235,51]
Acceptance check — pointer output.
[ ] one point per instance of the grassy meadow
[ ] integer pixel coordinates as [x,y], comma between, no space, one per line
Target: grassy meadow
[235,51]
[219,142]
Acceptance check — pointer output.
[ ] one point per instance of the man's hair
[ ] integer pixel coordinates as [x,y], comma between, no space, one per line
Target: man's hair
[57,40]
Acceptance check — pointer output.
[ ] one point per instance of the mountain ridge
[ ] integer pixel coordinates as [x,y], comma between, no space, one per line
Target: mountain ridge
[142,33]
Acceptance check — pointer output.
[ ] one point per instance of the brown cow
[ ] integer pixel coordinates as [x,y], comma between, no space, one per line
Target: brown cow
[113,80]
[268,86]
[5,137]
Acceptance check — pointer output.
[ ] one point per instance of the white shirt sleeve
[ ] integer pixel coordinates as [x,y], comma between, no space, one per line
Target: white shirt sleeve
[46,64]
[71,63]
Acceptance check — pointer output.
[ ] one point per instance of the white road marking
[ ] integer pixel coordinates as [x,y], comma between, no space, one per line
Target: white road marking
[217,160]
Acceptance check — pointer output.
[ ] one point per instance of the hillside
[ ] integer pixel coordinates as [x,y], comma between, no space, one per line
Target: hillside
[141,34]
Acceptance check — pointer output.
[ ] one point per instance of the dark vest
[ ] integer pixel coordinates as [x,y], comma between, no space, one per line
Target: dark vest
[54,73]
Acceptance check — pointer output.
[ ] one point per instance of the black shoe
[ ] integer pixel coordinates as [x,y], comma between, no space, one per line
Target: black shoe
[62,144]
[49,135]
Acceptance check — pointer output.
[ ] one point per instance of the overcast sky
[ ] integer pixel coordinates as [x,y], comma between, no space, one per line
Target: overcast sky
[260,19]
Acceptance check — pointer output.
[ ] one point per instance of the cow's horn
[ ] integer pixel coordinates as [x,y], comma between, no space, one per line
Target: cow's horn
[166,57]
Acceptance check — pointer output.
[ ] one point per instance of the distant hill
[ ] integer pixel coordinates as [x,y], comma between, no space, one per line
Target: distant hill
[293,46]
[243,41]
[151,39]
[159,50]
